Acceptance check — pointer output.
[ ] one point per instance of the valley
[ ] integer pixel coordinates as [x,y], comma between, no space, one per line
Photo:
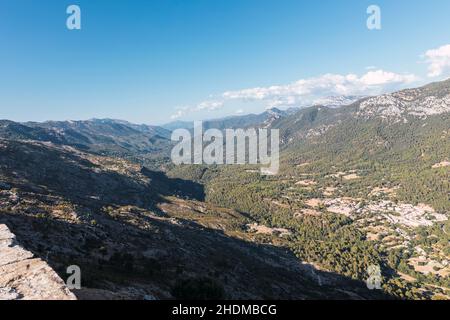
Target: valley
[362,184]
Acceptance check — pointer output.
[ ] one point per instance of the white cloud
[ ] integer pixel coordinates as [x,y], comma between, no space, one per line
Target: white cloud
[438,60]
[210,105]
[177,115]
[305,91]
[380,77]
[180,112]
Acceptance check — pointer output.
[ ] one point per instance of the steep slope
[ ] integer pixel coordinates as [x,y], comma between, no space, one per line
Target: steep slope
[310,122]
[133,238]
[17,131]
[396,139]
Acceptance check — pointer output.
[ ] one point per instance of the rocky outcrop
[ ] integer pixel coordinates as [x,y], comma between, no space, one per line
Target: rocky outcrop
[430,100]
[24,277]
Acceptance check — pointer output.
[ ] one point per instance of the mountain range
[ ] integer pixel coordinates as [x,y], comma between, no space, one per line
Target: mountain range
[361,183]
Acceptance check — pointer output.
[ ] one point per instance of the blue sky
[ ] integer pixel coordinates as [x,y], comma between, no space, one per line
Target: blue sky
[156,61]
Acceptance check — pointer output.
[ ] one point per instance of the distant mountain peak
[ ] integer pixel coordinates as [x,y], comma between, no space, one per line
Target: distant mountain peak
[275,110]
[337,101]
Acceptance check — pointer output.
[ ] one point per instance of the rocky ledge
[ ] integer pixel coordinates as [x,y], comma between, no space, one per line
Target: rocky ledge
[23,277]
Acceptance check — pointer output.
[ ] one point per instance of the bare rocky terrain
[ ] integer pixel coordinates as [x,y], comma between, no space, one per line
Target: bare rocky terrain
[24,277]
